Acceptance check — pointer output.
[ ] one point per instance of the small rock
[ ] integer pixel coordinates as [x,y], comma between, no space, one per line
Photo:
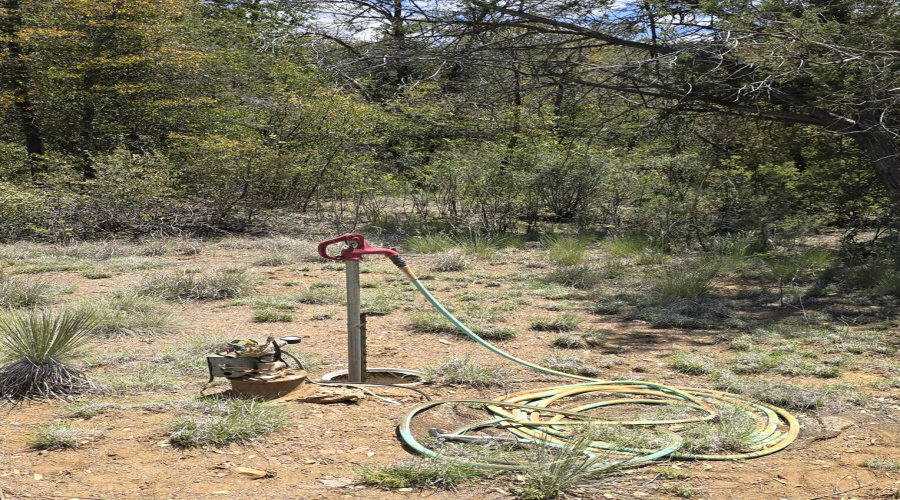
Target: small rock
[339,482]
[251,473]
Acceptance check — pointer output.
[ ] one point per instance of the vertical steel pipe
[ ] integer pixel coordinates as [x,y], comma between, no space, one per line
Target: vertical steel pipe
[356,345]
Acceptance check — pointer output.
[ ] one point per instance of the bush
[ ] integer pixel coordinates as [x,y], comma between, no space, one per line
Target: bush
[38,346]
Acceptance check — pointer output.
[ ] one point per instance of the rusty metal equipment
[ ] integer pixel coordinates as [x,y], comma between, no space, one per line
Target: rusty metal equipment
[256,369]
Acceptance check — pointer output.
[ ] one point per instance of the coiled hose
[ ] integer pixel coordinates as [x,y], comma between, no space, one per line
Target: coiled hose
[529,416]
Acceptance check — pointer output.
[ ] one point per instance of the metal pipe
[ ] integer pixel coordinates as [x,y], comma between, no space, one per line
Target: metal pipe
[356,346]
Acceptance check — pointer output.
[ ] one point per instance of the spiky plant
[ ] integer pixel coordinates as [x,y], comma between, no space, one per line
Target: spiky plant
[37,346]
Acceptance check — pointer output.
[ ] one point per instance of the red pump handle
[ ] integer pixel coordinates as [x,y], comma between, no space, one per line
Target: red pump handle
[357,247]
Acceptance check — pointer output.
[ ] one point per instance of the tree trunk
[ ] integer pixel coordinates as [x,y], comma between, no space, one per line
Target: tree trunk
[881,147]
[20,79]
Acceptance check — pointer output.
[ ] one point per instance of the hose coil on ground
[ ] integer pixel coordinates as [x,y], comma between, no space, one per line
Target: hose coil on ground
[531,418]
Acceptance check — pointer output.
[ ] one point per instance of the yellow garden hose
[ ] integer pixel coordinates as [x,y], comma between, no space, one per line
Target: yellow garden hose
[529,416]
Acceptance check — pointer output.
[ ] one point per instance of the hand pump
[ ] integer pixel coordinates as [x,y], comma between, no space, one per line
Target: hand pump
[356,335]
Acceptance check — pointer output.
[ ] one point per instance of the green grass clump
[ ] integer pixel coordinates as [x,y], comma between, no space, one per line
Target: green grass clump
[428,322]
[430,243]
[421,472]
[461,371]
[451,260]
[580,276]
[25,292]
[380,303]
[146,377]
[732,431]
[570,364]
[782,394]
[89,409]
[568,341]
[270,315]
[38,347]
[186,286]
[60,436]
[692,363]
[685,284]
[550,471]
[227,421]
[565,250]
[564,323]
[128,314]
[320,296]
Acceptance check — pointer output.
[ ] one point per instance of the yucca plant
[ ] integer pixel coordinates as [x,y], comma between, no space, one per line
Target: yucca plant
[37,346]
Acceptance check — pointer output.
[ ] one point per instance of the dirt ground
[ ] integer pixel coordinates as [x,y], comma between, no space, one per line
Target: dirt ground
[318,453]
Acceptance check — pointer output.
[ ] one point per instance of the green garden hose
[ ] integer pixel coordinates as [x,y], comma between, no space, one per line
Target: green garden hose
[528,415]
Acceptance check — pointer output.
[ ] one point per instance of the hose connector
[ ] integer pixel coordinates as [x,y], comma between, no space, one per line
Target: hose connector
[401,265]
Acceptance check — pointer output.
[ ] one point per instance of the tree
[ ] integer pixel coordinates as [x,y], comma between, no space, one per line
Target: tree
[88,76]
[832,64]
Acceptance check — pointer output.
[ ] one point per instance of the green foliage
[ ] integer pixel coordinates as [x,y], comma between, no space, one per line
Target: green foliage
[553,470]
[570,364]
[60,436]
[580,276]
[38,347]
[421,472]
[268,315]
[227,421]
[564,323]
[184,286]
[25,292]
[692,364]
[462,371]
[130,314]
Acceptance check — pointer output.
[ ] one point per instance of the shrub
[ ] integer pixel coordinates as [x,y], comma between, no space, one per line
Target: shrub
[38,346]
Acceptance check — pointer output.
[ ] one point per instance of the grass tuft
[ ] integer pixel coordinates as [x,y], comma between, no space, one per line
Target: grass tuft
[60,436]
[570,364]
[185,286]
[421,472]
[564,323]
[227,421]
[25,292]
[461,371]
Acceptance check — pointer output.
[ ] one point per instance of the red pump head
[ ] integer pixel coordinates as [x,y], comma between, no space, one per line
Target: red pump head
[357,247]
